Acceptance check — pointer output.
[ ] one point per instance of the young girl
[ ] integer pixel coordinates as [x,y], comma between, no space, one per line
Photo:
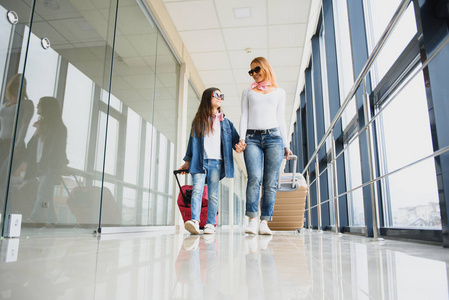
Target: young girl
[262,125]
[209,156]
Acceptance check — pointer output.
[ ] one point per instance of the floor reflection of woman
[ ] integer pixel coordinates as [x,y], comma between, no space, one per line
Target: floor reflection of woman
[49,144]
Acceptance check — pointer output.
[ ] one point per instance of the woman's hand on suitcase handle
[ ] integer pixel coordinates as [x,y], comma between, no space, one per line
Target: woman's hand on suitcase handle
[185,167]
[287,153]
[240,147]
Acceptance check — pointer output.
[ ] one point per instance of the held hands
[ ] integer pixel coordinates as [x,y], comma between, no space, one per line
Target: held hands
[185,167]
[287,153]
[240,147]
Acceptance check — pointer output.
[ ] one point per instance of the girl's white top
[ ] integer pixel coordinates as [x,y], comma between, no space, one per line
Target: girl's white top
[263,111]
[212,145]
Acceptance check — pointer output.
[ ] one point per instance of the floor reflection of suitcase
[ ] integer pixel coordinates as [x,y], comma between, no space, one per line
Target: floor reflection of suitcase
[291,195]
[84,203]
[184,198]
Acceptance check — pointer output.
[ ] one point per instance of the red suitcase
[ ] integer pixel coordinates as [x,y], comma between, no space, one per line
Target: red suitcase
[184,198]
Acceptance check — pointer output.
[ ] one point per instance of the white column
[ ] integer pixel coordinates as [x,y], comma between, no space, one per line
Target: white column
[181,138]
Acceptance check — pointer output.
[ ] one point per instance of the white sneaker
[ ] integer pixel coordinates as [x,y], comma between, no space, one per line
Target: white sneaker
[263,229]
[192,226]
[253,226]
[209,229]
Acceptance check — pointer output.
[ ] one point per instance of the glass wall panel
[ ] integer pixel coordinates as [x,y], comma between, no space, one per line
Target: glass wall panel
[144,101]
[131,114]
[75,126]
[14,24]
[65,65]
[165,120]
[410,196]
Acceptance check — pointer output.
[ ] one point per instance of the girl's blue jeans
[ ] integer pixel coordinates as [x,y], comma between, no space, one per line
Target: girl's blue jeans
[213,170]
[263,157]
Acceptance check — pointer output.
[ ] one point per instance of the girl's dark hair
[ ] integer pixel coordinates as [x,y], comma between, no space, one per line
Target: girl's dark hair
[202,123]
[51,116]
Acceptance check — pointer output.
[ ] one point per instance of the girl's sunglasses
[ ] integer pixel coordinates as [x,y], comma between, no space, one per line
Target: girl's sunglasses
[218,96]
[255,70]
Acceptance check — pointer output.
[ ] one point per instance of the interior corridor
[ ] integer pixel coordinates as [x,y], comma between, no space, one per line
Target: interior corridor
[229,265]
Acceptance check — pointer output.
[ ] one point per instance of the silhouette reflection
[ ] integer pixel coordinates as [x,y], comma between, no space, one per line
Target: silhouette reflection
[249,271]
[197,267]
[13,129]
[47,158]
[261,275]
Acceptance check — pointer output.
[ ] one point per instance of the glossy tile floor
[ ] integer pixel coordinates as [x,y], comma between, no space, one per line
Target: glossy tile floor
[229,265]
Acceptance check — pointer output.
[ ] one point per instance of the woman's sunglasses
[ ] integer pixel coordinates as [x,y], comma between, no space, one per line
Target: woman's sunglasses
[218,96]
[255,70]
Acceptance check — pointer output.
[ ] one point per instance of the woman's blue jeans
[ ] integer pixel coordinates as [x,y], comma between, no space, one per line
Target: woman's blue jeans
[213,170]
[263,157]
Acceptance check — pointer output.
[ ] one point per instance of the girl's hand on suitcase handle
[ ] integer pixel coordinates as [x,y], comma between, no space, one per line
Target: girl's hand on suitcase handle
[185,167]
[240,147]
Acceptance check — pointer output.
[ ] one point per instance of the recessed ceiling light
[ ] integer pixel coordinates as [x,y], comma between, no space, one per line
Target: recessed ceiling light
[52,5]
[242,12]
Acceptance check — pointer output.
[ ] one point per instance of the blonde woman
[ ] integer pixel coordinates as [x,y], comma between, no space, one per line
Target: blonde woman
[263,127]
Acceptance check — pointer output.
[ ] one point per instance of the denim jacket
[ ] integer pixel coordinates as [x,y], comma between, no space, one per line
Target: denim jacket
[195,150]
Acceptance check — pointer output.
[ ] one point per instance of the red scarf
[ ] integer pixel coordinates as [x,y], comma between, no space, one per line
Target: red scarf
[263,86]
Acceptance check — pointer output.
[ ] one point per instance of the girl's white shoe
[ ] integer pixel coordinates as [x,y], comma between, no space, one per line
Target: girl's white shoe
[209,229]
[192,226]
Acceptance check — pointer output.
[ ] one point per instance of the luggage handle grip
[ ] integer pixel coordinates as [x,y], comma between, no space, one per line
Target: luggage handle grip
[295,158]
[176,172]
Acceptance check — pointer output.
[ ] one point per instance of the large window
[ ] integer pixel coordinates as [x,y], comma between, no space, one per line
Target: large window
[354,181]
[344,56]
[378,14]
[411,195]
[396,150]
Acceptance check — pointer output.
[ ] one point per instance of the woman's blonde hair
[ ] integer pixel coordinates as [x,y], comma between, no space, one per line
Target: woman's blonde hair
[13,87]
[269,73]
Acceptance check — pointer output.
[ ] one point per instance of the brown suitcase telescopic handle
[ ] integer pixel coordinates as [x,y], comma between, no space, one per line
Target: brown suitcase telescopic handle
[295,158]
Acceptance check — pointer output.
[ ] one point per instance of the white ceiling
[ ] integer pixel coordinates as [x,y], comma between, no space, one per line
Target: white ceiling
[217,42]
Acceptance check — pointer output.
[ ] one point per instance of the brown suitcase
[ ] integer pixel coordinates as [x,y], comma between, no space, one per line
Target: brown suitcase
[289,210]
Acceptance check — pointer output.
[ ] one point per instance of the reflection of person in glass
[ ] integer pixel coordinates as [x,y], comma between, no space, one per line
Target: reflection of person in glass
[261,275]
[200,255]
[48,152]
[8,112]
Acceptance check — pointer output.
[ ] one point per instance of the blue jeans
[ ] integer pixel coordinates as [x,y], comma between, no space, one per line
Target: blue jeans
[213,170]
[263,157]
